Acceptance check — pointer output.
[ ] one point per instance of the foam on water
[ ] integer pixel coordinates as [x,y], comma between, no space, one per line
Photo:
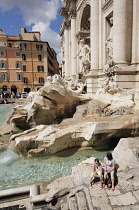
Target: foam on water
[7,157]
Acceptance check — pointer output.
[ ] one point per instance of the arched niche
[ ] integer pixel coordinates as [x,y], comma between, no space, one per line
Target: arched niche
[14,89]
[84,29]
[4,88]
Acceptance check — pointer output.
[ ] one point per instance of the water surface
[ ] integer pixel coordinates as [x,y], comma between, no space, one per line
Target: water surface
[4,109]
[16,171]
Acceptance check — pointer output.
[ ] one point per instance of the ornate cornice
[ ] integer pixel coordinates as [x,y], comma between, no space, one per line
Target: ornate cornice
[63,12]
[72,13]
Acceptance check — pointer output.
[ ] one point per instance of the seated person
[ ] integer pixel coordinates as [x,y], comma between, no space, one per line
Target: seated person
[109,167]
[96,172]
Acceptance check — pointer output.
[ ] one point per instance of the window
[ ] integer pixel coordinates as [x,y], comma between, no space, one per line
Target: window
[24,67]
[18,65]
[23,46]
[39,57]
[41,80]
[50,71]
[2,43]
[1,53]
[40,68]
[19,76]
[23,57]
[25,80]
[50,62]
[4,88]
[17,44]
[39,47]
[2,64]
[4,77]
[9,44]
[17,54]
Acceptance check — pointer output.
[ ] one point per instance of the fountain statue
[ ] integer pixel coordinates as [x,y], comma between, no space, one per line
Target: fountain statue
[84,57]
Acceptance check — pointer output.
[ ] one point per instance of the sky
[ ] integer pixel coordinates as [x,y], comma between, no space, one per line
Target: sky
[34,15]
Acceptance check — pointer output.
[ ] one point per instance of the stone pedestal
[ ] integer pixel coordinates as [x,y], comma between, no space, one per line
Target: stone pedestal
[92,82]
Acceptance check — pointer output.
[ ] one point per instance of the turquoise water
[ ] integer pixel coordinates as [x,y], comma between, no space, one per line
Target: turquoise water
[4,109]
[16,171]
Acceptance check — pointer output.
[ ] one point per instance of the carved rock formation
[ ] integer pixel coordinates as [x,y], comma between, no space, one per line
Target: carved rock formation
[52,103]
[91,126]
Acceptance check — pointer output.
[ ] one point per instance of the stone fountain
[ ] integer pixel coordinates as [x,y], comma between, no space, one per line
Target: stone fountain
[59,116]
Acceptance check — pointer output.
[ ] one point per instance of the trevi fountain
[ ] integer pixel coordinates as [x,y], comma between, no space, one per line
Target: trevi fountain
[93,108]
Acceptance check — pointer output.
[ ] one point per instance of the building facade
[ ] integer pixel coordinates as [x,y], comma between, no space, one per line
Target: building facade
[25,62]
[100,34]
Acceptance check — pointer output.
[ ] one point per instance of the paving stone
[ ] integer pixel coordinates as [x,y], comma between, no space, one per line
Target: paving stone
[125,199]
[115,192]
[99,198]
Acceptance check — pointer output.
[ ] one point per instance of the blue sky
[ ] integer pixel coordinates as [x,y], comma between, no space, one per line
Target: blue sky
[37,15]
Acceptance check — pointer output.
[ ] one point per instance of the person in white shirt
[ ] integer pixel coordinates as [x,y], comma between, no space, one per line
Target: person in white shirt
[109,167]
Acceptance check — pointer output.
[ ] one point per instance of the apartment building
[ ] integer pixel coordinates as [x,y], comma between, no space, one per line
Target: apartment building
[25,62]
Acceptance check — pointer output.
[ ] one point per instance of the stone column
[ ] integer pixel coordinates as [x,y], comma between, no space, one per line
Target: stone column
[34,190]
[135,36]
[73,45]
[94,35]
[122,33]
[67,68]
[92,77]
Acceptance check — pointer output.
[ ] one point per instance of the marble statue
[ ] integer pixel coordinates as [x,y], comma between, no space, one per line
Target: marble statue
[84,56]
[109,40]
